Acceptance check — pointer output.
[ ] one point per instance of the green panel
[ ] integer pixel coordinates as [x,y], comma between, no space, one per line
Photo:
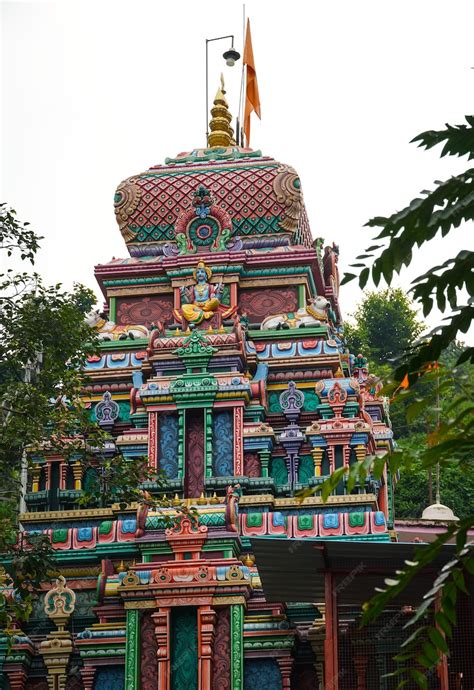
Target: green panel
[306,469]
[132,653]
[274,402]
[237,646]
[279,471]
[59,535]
[356,519]
[105,527]
[184,649]
[305,522]
[124,414]
[254,519]
[311,400]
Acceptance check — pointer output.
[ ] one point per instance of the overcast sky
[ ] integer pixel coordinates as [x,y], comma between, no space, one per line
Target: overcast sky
[93,92]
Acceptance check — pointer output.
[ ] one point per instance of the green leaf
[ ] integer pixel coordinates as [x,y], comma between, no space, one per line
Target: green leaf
[419,678]
[438,640]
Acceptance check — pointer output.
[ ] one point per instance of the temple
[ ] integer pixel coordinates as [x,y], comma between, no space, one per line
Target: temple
[222,360]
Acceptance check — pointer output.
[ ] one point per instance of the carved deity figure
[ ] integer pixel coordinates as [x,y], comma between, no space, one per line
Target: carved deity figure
[201,300]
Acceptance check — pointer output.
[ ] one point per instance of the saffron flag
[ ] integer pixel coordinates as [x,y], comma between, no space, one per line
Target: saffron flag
[252,98]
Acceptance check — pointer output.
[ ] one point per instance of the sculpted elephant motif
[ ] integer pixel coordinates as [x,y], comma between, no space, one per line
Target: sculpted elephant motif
[314,314]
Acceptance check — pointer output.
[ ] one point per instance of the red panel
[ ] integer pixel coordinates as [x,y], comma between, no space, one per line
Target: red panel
[148,654]
[194,461]
[221,665]
[145,310]
[258,303]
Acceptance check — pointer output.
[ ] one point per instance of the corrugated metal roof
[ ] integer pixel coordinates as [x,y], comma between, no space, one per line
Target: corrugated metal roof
[293,569]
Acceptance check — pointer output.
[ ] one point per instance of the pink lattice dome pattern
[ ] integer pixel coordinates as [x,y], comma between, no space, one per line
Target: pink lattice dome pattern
[260,195]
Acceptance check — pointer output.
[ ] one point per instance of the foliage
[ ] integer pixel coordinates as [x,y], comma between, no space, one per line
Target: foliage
[386,326]
[451,443]
[44,343]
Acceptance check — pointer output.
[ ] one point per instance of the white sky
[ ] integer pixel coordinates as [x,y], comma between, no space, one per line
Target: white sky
[95,91]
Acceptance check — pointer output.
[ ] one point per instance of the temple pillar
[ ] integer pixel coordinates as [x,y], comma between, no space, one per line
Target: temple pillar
[17,677]
[153,439]
[316,636]
[331,665]
[237,646]
[63,467]
[207,619]
[161,618]
[238,441]
[77,471]
[132,650]
[36,474]
[88,675]
[286,664]
[181,442]
[332,458]
[360,452]
[265,456]
[208,441]
[317,454]
[301,296]
[56,650]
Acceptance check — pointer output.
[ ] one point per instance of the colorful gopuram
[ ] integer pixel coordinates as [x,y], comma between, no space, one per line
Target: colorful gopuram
[222,360]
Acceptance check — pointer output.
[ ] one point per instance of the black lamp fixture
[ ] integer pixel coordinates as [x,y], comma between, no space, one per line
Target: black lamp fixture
[230,56]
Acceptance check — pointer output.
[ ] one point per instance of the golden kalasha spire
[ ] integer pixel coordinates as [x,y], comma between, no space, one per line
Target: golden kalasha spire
[222,133]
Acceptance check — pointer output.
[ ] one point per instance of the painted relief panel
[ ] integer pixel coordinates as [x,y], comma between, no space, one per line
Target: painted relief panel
[184,659]
[148,653]
[223,444]
[259,303]
[145,310]
[262,674]
[168,444]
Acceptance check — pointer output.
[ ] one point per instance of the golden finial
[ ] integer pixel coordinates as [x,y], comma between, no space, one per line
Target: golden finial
[222,133]
[248,560]
[214,499]
[202,500]
[121,568]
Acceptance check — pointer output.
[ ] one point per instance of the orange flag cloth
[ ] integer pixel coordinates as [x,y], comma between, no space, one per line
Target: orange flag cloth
[252,98]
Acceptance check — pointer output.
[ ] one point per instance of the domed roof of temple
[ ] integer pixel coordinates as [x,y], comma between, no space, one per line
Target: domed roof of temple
[201,193]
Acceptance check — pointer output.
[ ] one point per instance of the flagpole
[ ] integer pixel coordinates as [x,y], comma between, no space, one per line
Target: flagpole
[240,111]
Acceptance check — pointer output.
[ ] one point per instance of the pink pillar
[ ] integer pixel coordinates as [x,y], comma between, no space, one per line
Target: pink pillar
[238,441]
[285,663]
[161,618]
[153,439]
[88,674]
[207,618]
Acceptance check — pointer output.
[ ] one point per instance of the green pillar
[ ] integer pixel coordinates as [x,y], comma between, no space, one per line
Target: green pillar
[237,646]
[208,440]
[301,296]
[265,456]
[181,443]
[132,650]
[112,309]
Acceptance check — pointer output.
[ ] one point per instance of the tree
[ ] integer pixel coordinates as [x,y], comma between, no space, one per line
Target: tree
[386,327]
[44,342]
[452,442]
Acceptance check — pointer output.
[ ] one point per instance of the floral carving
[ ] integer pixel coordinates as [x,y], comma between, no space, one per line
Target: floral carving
[148,655]
[221,666]
[287,187]
[126,200]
